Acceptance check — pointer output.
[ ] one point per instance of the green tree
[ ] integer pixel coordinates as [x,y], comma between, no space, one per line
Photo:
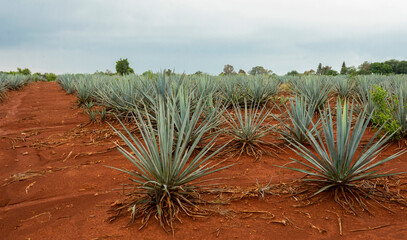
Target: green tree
[198,73]
[393,63]
[259,70]
[351,71]
[344,69]
[228,69]
[242,72]
[293,73]
[50,77]
[380,68]
[24,71]
[123,67]
[310,72]
[331,72]
[319,69]
[364,68]
[401,67]
[325,70]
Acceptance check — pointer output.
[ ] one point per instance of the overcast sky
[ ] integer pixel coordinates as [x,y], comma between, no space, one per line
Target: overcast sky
[186,35]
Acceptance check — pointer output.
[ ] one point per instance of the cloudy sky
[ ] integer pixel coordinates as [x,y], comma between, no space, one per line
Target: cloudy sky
[187,35]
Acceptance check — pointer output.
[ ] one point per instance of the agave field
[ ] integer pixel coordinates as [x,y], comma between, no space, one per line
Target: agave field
[181,136]
[12,82]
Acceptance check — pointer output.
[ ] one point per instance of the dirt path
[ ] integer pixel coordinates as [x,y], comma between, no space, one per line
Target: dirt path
[54,185]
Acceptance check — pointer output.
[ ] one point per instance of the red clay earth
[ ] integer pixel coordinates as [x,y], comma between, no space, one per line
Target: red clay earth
[55,185]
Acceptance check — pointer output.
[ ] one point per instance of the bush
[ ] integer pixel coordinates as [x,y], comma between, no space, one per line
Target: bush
[50,77]
[24,71]
[383,116]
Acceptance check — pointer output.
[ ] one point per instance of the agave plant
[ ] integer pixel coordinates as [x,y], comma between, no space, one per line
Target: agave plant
[2,93]
[315,90]
[121,96]
[248,128]
[84,89]
[232,91]
[261,88]
[3,86]
[16,81]
[334,162]
[299,120]
[196,113]
[166,171]
[400,110]
[67,82]
[365,103]
[343,87]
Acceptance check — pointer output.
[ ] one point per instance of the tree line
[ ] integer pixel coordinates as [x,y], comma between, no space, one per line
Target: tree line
[392,66]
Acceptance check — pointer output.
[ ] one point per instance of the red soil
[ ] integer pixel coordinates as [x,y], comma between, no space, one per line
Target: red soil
[54,185]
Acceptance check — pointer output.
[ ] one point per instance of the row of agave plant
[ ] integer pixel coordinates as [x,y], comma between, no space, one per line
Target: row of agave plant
[12,82]
[383,96]
[180,119]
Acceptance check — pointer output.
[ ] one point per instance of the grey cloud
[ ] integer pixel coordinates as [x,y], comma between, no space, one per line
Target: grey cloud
[85,36]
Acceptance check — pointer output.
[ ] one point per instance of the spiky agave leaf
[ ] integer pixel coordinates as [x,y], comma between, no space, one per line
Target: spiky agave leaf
[165,167]
[16,81]
[248,128]
[232,91]
[121,96]
[343,87]
[300,116]
[399,106]
[67,82]
[3,86]
[315,89]
[196,111]
[261,88]
[335,163]
[365,103]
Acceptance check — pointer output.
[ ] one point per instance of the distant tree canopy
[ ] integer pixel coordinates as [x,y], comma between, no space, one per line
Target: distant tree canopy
[398,67]
[293,73]
[123,67]
[24,71]
[331,72]
[380,68]
[309,72]
[364,68]
[319,69]
[344,69]
[259,70]
[107,72]
[241,72]
[392,66]
[351,71]
[228,70]
[326,70]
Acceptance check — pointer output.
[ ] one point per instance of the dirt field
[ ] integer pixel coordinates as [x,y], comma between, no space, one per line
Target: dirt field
[54,184]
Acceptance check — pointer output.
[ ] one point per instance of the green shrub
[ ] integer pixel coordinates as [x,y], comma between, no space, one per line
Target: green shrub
[50,77]
[383,116]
